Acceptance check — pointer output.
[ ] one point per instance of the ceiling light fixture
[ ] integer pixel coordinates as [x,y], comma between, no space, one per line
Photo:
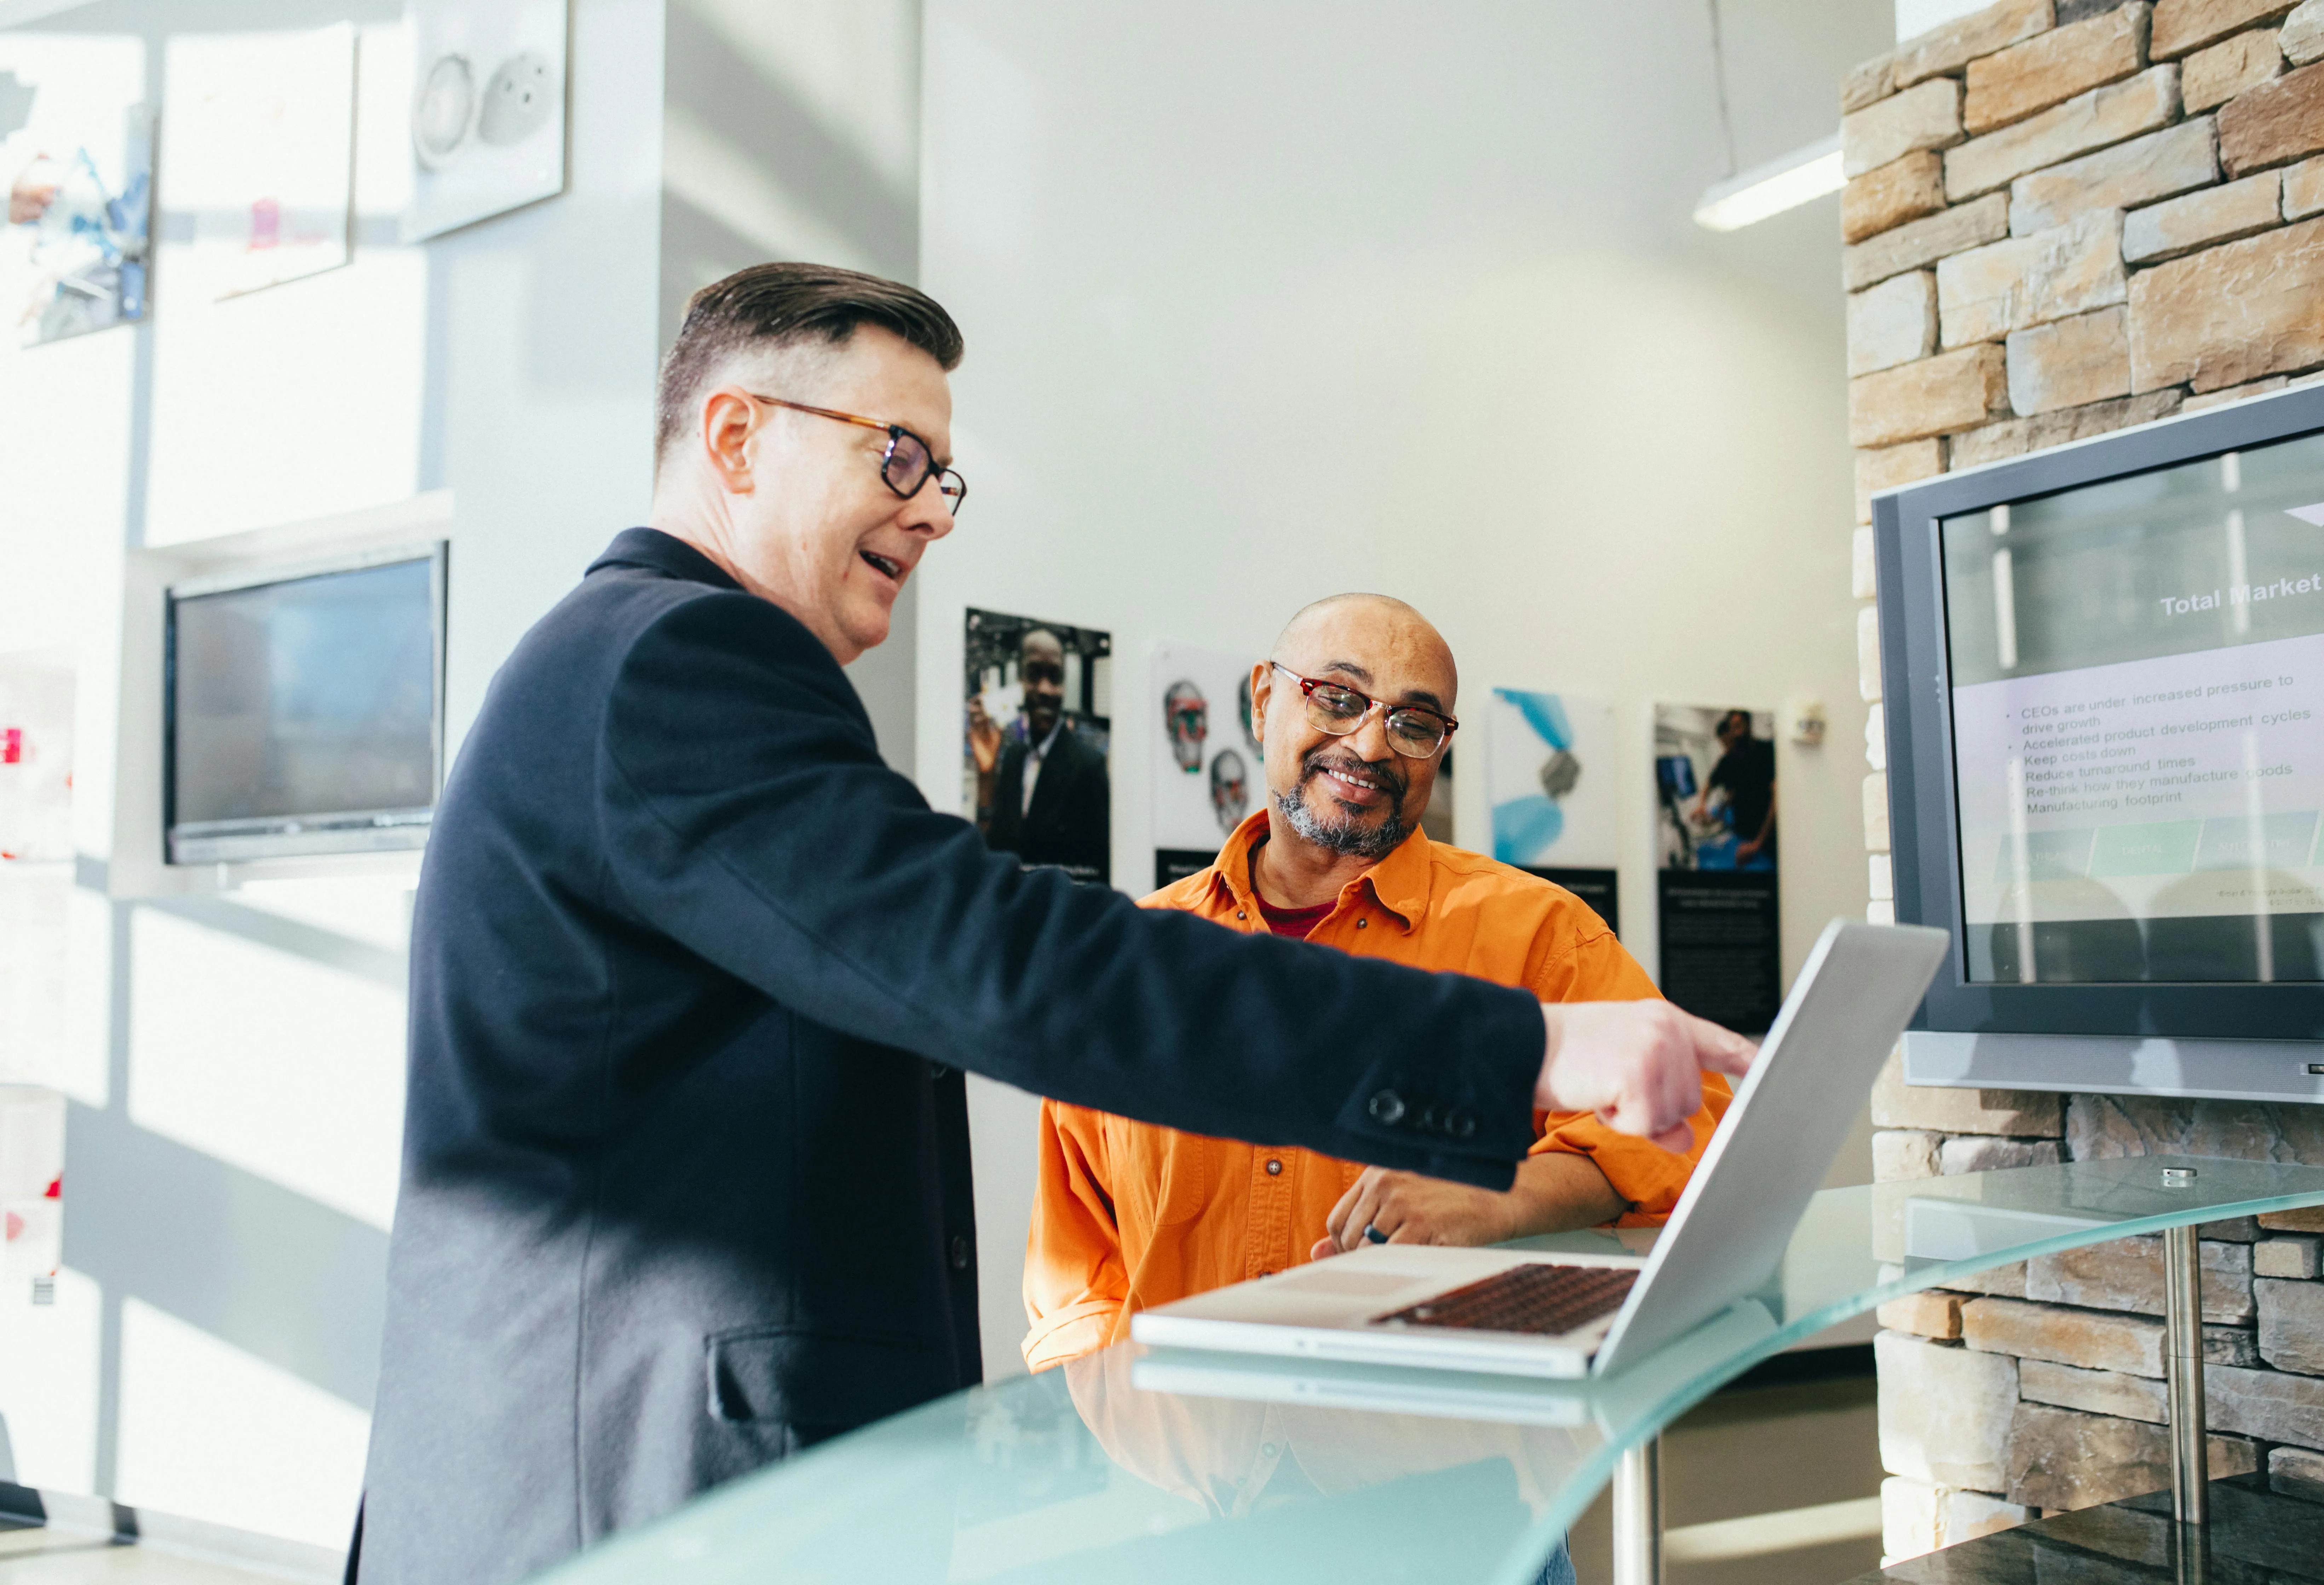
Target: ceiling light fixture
[1782,183]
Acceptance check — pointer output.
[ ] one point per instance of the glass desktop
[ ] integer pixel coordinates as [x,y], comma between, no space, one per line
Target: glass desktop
[1139,1464]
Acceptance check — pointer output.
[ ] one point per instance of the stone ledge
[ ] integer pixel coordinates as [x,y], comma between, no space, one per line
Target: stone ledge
[2295,1257]
[2274,1405]
[2052,68]
[2022,1114]
[2213,76]
[1932,396]
[2111,115]
[2290,1325]
[2065,1459]
[2175,160]
[2126,1274]
[1924,117]
[1902,189]
[2015,437]
[1918,244]
[1953,45]
[1945,1413]
[2273,124]
[2091,1339]
[2180,25]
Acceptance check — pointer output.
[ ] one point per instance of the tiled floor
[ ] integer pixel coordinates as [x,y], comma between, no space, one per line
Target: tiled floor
[48,1557]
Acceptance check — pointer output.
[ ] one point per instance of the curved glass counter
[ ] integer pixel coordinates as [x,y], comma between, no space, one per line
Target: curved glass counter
[1140,1464]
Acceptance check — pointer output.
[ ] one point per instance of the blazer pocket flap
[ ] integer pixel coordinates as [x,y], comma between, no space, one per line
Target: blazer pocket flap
[793,1378]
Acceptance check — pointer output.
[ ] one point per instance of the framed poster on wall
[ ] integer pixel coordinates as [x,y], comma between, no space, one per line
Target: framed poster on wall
[1717,905]
[259,134]
[1207,768]
[76,158]
[1037,736]
[1550,778]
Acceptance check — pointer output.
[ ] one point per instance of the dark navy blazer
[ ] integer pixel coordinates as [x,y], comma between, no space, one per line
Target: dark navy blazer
[685,1178]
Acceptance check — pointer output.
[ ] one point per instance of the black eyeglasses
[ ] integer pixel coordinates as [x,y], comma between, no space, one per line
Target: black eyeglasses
[1413,731]
[906,465]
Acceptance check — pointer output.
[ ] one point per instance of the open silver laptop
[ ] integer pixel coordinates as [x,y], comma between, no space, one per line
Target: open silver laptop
[1512,1311]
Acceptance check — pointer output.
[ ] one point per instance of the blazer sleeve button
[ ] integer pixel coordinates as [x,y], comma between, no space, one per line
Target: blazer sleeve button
[1461,1124]
[1387,1107]
[960,1253]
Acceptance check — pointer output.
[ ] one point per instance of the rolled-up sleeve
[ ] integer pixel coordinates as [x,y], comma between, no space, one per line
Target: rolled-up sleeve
[1075,1285]
[1599,969]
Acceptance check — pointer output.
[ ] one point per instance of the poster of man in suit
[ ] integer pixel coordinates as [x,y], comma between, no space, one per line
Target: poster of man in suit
[1038,725]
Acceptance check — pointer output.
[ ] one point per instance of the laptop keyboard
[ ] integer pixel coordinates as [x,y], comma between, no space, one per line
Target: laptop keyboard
[1536,1298]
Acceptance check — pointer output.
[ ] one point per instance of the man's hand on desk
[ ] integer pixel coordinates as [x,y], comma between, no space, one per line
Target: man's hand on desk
[1637,1065]
[1554,1191]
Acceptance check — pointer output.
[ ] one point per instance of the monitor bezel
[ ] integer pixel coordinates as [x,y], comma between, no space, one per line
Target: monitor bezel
[294,835]
[1923,812]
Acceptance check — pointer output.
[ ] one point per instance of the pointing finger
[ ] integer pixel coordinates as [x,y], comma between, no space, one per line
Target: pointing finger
[1723,1051]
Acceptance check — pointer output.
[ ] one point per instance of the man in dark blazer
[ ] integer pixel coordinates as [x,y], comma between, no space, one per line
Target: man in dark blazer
[1063,821]
[694,976]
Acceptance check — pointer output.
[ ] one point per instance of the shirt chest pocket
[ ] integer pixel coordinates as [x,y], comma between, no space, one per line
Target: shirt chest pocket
[1159,1175]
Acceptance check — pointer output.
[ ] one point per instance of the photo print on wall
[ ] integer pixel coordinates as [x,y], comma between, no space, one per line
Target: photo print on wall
[1716,896]
[1550,773]
[260,153]
[77,149]
[487,109]
[1037,731]
[1207,771]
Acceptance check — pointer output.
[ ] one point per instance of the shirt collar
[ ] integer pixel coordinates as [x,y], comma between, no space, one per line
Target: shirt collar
[1040,750]
[1400,883]
[663,553]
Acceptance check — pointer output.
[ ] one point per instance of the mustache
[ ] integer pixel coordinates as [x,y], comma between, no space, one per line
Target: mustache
[1383,770]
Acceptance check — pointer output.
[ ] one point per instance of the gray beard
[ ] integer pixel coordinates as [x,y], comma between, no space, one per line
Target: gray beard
[1343,834]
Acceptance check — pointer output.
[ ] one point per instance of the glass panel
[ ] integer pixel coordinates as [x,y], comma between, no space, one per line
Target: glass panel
[1139,1465]
[2137,682]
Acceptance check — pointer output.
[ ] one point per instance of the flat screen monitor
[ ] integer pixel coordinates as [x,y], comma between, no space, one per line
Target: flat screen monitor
[303,710]
[2104,671]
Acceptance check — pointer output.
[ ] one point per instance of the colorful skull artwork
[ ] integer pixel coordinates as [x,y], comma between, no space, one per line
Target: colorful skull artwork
[1186,716]
[1230,788]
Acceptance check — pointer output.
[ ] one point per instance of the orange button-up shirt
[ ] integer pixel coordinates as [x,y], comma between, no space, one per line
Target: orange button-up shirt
[1127,1215]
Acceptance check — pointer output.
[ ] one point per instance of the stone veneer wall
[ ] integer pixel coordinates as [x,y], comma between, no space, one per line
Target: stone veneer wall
[2065,217]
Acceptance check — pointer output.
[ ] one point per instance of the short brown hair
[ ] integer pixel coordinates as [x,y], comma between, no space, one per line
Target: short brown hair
[773,306]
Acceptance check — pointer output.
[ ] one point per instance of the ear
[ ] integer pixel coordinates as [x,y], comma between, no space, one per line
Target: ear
[728,421]
[1262,685]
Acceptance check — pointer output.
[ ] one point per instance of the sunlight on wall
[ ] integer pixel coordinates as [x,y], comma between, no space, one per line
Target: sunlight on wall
[209,1433]
[301,1084]
[48,1356]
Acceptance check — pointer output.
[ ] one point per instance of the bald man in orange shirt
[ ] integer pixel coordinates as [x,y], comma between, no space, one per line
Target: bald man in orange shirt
[1354,713]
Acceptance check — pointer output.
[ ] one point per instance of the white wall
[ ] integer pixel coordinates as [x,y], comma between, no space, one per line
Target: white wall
[792,130]
[1916,17]
[235,1063]
[1268,302]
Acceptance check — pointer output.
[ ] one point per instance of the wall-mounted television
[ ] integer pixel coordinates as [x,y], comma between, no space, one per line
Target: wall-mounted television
[304,709]
[2104,686]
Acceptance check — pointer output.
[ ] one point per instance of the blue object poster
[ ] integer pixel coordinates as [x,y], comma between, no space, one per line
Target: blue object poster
[1551,778]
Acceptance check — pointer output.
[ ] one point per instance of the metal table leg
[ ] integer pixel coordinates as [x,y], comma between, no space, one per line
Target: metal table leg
[2183,1323]
[1638,1515]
